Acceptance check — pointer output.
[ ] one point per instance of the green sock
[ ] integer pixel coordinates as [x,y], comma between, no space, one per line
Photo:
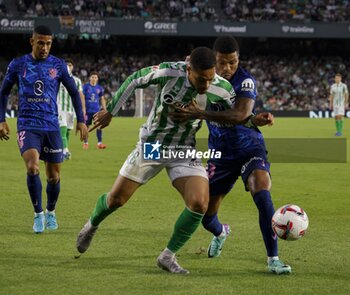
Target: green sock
[185,226]
[68,133]
[341,126]
[337,125]
[63,131]
[101,210]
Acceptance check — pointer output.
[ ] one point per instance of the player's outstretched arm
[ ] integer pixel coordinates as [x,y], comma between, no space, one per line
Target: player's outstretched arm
[240,114]
[4,131]
[101,120]
[83,130]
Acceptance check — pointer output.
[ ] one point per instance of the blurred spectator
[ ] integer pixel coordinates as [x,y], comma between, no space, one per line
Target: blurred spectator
[128,9]
[286,11]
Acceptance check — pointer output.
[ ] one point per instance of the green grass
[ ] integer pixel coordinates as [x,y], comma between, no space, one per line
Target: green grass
[122,257]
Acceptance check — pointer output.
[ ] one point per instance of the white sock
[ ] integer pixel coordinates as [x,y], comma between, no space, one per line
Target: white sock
[269,258]
[168,251]
[65,150]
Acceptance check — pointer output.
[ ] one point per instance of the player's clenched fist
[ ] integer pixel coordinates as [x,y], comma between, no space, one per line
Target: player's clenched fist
[4,131]
[263,119]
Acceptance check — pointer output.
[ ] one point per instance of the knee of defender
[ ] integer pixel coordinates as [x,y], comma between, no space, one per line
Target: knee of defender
[32,169]
[53,180]
[199,205]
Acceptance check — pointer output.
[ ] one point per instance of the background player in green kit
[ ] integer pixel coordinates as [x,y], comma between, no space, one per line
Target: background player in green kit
[178,85]
[338,102]
[66,110]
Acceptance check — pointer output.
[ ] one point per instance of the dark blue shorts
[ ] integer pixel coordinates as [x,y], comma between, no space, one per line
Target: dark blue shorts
[47,143]
[223,173]
[90,117]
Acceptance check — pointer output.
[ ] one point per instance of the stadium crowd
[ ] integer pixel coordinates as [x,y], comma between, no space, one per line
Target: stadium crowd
[285,11]
[284,83]
[192,10]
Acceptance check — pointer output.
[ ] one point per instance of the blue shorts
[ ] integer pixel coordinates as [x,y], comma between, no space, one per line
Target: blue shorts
[223,173]
[47,143]
[90,117]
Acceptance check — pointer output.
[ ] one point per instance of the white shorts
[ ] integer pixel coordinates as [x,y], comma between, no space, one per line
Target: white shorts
[66,119]
[140,170]
[338,110]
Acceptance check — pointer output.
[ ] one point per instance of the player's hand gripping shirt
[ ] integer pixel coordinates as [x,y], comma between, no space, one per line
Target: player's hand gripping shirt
[174,89]
[38,84]
[234,140]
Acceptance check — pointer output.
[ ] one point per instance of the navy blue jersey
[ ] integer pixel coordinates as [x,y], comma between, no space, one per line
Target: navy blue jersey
[93,96]
[234,140]
[38,84]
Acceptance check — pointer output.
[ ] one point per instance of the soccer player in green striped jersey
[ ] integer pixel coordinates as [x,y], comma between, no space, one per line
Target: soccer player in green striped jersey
[338,102]
[66,110]
[178,85]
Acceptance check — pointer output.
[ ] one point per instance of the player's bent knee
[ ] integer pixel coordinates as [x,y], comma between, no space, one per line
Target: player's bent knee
[32,170]
[53,180]
[258,181]
[199,204]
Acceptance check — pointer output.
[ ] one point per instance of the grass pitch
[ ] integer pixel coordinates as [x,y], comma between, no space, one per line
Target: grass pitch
[121,259]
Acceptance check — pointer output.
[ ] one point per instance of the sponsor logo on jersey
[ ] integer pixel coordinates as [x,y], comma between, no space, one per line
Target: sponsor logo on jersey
[168,98]
[51,151]
[38,87]
[244,167]
[248,85]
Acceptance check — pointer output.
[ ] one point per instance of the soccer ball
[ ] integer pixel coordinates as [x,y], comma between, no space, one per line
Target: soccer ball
[290,222]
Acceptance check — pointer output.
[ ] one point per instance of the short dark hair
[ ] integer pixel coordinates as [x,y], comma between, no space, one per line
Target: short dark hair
[338,74]
[69,61]
[43,30]
[226,44]
[93,73]
[202,58]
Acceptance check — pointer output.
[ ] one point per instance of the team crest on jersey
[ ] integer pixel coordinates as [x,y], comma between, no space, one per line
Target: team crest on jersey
[248,85]
[53,73]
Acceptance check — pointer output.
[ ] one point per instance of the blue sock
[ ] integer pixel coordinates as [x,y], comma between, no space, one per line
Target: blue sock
[99,135]
[35,188]
[264,204]
[212,224]
[52,191]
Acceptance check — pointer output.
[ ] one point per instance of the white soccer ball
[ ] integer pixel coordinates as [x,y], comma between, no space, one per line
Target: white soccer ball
[290,222]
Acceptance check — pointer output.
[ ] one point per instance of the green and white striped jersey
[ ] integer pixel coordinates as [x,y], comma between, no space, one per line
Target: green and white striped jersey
[338,91]
[174,89]
[64,101]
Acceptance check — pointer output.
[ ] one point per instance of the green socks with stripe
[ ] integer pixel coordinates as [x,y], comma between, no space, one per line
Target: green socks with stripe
[185,226]
[101,210]
[63,131]
[339,126]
